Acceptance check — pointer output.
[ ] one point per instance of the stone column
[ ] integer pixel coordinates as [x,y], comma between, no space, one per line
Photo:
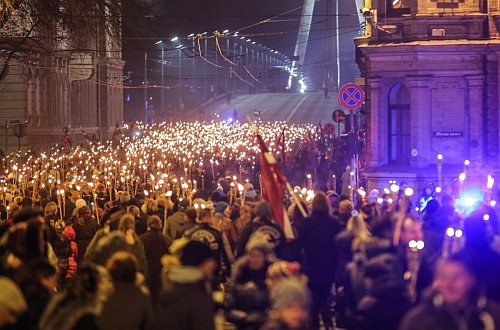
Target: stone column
[420,114]
[476,141]
[374,158]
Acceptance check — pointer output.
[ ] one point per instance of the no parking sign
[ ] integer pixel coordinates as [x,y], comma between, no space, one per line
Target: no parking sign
[351,96]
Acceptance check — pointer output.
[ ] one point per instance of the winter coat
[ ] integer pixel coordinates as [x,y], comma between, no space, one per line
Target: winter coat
[127,308]
[383,307]
[248,297]
[266,227]
[213,237]
[85,228]
[155,246]
[72,264]
[317,238]
[113,242]
[174,224]
[434,314]
[185,303]
[69,312]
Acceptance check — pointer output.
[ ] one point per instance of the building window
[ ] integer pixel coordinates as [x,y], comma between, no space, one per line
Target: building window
[399,125]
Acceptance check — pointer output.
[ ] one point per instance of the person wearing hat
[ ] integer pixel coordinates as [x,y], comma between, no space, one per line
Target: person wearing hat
[185,303]
[85,227]
[176,221]
[263,224]
[290,305]
[70,203]
[247,297]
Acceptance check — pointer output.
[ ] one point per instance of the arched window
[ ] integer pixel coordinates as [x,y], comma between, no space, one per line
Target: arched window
[399,125]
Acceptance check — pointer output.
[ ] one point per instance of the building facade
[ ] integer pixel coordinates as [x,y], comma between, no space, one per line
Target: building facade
[432,88]
[55,82]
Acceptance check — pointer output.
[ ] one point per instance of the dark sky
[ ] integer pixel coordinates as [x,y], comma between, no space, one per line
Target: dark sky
[180,18]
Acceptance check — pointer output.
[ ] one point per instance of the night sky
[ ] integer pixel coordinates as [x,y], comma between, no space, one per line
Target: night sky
[170,18]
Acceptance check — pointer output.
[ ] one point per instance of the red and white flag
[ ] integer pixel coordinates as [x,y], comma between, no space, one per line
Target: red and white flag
[273,188]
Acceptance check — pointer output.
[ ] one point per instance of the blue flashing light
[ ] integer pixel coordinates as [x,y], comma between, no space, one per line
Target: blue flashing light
[469,200]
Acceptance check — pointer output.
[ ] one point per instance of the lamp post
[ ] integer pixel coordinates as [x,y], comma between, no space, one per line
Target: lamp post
[162,95]
[179,68]
[146,87]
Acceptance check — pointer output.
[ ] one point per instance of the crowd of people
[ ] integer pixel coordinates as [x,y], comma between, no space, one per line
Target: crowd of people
[206,263]
[135,238]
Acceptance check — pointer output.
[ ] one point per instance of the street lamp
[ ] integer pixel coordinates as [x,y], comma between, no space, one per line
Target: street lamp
[178,47]
[162,97]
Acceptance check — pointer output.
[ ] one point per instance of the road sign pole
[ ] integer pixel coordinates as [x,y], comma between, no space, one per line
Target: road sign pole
[353,160]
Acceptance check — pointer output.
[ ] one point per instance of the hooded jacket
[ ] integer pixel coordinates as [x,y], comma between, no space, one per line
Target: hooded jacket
[185,303]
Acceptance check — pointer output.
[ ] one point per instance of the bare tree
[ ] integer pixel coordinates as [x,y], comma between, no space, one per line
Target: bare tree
[51,26]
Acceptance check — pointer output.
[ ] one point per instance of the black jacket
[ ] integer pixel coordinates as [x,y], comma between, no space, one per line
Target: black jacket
[267,227]
[317,238]
[185,304]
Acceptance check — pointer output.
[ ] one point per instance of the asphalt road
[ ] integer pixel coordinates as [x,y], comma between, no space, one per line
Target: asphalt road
[297,108]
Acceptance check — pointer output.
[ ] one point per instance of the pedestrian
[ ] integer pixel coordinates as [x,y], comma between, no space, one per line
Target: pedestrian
[185,303]
[290,305]
[155,246]
[78,305]
[317,239]
[247,296]
[326,91]
[128,306]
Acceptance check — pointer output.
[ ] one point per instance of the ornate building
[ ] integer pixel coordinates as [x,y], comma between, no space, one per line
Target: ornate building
[432,87]
[56,80]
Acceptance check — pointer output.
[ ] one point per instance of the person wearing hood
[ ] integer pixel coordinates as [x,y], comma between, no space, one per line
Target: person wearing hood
[262,224]
[79,305]
[185,302]
[176,221]
[85,227]
[386,300]
[122,239]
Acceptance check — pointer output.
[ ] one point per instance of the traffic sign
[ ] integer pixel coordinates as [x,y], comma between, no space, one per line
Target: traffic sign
[338,116]
[351,96]
[329,129]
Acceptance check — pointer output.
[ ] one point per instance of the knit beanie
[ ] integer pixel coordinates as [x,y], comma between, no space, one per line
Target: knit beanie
[125,197]
[259,241]
[80,203]
[194,253]
[283,269]
[220,207]
[289,291]
[263,209]
[69,232]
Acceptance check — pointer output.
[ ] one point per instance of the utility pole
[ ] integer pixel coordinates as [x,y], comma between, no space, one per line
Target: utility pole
[146,87]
